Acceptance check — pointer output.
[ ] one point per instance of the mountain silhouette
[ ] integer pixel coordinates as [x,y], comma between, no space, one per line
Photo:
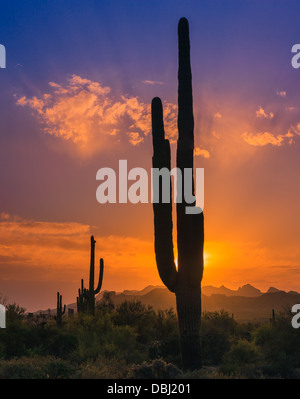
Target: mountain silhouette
[245,303]
[246,290]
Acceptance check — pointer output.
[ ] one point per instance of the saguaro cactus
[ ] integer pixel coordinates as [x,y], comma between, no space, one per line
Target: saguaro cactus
[82,299]
[92,292]
[185,281]
[59,310]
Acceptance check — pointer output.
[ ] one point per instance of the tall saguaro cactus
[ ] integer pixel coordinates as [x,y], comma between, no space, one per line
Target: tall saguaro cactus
[185,281]
[92,292]
[59,310]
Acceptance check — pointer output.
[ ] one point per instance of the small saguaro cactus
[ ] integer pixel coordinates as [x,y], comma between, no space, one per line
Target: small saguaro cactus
[92,292]
[273,316]
[59,310]
[86,297]
[70,312]
[186,281]
[82,299]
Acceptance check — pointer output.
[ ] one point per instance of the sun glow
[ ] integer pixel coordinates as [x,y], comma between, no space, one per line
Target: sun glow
[206,257]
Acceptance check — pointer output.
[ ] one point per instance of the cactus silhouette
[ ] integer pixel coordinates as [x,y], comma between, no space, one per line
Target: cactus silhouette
[86,297]
[59,310]
[70,312]
[92,292]
[82,299]
[185,281]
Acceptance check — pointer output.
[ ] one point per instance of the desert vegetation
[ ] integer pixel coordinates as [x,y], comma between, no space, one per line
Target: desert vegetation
[131,340]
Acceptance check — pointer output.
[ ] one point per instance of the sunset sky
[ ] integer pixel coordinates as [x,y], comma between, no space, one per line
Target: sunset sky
[75,97]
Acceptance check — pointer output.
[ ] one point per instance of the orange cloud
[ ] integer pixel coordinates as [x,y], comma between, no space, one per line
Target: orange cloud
[281,93]
[87,114]
[60,251]
[152,82]
[201,152]
[260,113]
[262,139]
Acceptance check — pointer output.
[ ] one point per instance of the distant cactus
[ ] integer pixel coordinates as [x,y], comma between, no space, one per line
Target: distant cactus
[186,281]
[273,316]
[86,297]
[70,312]
[59,311]
[82,299]
[92,291]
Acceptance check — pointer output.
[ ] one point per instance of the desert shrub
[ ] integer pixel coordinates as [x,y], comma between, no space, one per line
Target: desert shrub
[241,359]
[157,369]
[221,321]
[280,344]
[98,336]
[165,342]
[14,313]
[217,329]
[17,341]
[125,345]
[105,305]
[245,330]
[23,340]
[136,315]
[36,368]
[58,343]
[203,374]
[103,368]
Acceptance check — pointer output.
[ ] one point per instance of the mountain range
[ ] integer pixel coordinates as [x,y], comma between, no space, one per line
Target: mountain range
[247,303]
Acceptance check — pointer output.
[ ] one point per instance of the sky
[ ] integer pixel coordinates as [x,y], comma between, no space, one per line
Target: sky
[75,97]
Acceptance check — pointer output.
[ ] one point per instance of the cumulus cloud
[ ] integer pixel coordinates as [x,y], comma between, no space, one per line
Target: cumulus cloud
[262,139]
[201,152]
[89,115]
[281,93]
[218,115]
[260,113]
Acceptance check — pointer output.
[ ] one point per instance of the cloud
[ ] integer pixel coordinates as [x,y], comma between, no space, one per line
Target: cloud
[260,113]
[37,257]
[201,152]
[87,114]
[135,138]
[58,251]
[152,82]
[262,139]
[281,93]
[294,129]
[217,115]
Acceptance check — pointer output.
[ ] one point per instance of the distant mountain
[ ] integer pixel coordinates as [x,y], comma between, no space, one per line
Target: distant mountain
[273,289]
[143,291]
[245,303]
[158,298]
[293,293]
[246,290]
[255,308]
[210,290]
[242,307]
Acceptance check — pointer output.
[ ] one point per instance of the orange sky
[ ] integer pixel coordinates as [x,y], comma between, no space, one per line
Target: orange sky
[63,120]
[251,224]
